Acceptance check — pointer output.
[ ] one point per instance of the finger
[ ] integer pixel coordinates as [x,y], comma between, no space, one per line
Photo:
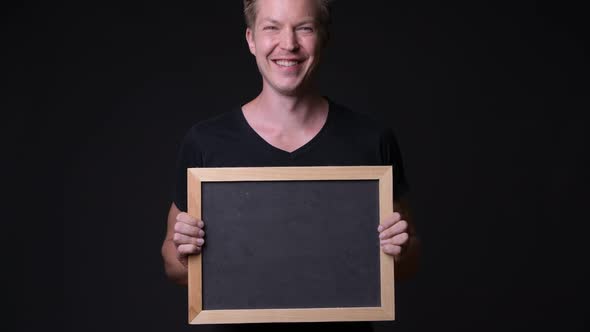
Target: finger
[188,230]
[180,239]
[398,240]
[187,219]
[398,228]
[389,221]
[188,249]
[391,249]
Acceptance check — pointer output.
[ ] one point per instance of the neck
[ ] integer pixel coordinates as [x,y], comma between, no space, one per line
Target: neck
[283,112]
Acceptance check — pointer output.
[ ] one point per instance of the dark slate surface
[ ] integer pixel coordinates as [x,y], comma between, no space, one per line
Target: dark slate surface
[290,244]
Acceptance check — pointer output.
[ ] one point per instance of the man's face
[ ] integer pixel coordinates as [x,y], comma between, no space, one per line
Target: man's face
[286,42]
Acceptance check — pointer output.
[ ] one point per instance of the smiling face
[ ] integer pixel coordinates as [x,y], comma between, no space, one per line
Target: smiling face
[285,39]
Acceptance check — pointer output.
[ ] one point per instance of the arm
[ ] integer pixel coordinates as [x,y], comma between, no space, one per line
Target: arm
[398,238]
[407,262]
[184,237]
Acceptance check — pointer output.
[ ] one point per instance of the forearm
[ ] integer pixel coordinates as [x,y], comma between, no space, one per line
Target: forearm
[407,264]
[175,271]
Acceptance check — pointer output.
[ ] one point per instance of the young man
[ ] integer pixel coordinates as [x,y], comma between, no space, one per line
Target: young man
[288,124]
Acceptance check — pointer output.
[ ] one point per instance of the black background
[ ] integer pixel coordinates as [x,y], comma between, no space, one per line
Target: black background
[487,100]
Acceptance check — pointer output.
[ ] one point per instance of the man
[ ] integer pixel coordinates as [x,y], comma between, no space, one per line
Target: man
[288,124]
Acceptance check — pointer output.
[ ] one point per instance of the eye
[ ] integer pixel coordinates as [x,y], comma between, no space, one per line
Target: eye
[306,29]
[269,27]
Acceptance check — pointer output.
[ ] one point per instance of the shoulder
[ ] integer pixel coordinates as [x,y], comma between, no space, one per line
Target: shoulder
[354,122]
[214,125]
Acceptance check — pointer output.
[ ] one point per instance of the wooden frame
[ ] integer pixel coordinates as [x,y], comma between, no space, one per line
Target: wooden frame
[197,315]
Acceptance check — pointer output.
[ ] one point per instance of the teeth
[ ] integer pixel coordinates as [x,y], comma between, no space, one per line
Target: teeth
[286,63]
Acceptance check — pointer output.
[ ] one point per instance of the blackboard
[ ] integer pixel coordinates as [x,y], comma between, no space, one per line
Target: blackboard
[290,244]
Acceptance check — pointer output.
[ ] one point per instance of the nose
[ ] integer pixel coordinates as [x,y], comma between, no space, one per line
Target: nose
[289,40]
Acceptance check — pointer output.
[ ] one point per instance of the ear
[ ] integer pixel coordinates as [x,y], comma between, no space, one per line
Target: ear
[250,40]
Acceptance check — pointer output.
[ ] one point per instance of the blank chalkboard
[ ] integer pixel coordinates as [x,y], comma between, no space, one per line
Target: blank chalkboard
[290,244]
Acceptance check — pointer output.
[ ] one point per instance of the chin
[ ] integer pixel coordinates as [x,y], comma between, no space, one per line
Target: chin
[291,89]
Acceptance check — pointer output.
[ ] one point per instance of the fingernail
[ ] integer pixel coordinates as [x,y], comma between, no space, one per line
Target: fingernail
[200,241]
[380,228]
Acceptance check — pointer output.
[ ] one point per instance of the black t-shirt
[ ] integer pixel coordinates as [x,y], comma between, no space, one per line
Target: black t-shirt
[347,138]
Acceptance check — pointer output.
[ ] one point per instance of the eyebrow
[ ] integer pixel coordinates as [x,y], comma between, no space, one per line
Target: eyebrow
[273,21]
[269,20]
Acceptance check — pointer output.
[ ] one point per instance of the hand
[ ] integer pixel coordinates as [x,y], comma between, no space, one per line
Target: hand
[188,236]
[393,235]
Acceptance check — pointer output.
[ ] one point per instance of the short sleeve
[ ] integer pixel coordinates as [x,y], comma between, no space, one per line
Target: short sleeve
[391,155]
[189,155]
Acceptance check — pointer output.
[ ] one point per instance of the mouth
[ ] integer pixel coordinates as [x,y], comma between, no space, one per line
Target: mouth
[287,63]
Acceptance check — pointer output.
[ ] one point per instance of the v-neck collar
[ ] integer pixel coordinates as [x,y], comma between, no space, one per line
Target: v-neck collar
[301,149]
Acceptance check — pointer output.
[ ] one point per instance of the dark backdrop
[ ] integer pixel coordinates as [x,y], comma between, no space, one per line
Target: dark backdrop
[487,100]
